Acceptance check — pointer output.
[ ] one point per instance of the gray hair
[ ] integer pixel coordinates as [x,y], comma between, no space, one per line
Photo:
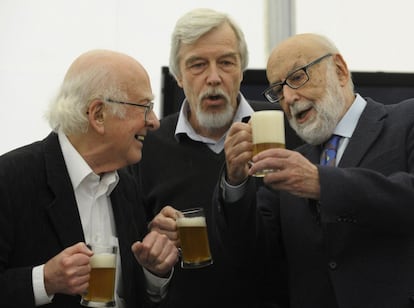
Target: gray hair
[68,111]
[191,26]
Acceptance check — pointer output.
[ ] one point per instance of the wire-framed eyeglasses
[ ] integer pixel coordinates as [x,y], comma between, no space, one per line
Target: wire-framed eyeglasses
[148,107]
[295,80]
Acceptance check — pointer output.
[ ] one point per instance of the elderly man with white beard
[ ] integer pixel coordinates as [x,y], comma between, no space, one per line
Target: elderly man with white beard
[340,233]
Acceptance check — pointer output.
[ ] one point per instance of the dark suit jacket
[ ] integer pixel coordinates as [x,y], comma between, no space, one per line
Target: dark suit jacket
[355,247]
[39,218]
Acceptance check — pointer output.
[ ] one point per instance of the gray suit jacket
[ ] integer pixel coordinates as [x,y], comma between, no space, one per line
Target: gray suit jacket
[353,248]
[39,218]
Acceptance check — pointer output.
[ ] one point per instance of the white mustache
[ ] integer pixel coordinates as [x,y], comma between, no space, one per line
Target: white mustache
[213,92]
[300,106]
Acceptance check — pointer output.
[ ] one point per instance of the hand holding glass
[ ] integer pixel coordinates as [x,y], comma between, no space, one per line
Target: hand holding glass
[192,230]
[268,131]
[101,288]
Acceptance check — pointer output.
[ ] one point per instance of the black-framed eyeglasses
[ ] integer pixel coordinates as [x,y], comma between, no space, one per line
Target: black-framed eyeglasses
[295,80]
[148,107]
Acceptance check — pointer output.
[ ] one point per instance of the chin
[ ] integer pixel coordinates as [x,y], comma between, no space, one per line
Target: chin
[138,159]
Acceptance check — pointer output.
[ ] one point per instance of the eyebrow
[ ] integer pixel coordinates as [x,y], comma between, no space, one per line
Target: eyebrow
[296,67]
[193,59]
[146,99]
[226,55]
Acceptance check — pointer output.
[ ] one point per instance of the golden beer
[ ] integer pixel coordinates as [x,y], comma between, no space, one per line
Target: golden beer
[259,147]
[102,281]
[268,131]
[195,248]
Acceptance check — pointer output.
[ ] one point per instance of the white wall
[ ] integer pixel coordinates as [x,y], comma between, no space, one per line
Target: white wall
[40,38]
[372,35]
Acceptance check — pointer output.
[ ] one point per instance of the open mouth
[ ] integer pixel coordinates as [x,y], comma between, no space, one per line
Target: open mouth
[214,97]
[301,113]
[140,138]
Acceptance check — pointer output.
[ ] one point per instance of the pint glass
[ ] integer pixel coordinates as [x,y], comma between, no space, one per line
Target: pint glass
[268,131]
[192,230]
[101,288]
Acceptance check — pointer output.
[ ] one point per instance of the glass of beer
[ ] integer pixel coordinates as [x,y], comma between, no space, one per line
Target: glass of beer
[192,231]
[268,131]
[101,290]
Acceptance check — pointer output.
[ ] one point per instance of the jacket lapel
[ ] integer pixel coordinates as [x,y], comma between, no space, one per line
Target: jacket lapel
[367,131]
[312,152]
[63,210]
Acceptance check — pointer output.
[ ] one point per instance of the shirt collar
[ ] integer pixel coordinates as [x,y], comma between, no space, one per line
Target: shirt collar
[349,121]
[79,171]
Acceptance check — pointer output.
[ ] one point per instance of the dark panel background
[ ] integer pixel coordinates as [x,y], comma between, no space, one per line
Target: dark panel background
[388,88]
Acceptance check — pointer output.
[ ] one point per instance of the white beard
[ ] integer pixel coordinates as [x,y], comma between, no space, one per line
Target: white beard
[328,113]
[214,120]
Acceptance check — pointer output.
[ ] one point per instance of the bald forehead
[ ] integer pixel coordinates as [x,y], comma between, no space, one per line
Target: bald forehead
[126,73]
[112,60]
[295,52]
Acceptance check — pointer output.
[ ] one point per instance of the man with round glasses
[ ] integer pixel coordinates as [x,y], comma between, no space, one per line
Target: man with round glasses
[340,230]
[51,191]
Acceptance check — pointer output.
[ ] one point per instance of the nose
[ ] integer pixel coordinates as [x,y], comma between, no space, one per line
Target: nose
[213,77]
[152,122]
[289,95]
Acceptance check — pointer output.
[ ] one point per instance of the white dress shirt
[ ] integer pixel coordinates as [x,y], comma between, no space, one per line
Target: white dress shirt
[92,193]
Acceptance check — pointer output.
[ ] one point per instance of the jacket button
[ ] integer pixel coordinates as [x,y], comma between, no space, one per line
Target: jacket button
[333,265]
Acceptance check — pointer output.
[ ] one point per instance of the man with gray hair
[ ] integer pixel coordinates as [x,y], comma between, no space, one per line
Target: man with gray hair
[50,188]
[182,160]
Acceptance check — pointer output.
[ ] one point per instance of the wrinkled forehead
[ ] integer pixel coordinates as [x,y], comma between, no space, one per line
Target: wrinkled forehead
[291,55]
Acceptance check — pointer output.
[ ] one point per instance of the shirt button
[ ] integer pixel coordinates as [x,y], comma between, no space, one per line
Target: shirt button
[333,265]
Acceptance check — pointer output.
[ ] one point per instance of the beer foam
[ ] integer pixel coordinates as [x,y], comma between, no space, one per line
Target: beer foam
[103,260]
[268,126]
[191,222]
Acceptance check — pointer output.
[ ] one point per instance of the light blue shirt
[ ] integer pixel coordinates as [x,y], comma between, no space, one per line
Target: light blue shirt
[347,125]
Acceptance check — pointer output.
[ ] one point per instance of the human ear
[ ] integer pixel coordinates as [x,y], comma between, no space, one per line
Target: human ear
[341,69]
[96,115]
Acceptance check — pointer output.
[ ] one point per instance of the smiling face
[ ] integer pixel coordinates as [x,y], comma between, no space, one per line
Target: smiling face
[315,108]
[210,74]
[126,134]
[115,134]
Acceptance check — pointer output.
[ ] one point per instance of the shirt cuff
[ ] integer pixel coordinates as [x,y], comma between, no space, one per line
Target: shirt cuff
[39,290]
[232,193]
[157,286]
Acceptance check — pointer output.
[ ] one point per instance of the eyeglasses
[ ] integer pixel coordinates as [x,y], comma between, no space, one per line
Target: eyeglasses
[148,108]
[294,80]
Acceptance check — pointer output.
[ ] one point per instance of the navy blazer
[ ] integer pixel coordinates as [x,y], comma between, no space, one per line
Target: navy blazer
[39,218]
[355,246]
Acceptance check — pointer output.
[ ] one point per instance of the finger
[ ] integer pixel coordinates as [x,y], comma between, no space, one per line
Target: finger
[269,164]
[166,261]
[78,248]
[168,211]
[274,152]
[163,224]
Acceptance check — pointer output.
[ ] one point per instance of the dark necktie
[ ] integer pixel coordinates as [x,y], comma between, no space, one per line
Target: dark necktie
[329,151]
